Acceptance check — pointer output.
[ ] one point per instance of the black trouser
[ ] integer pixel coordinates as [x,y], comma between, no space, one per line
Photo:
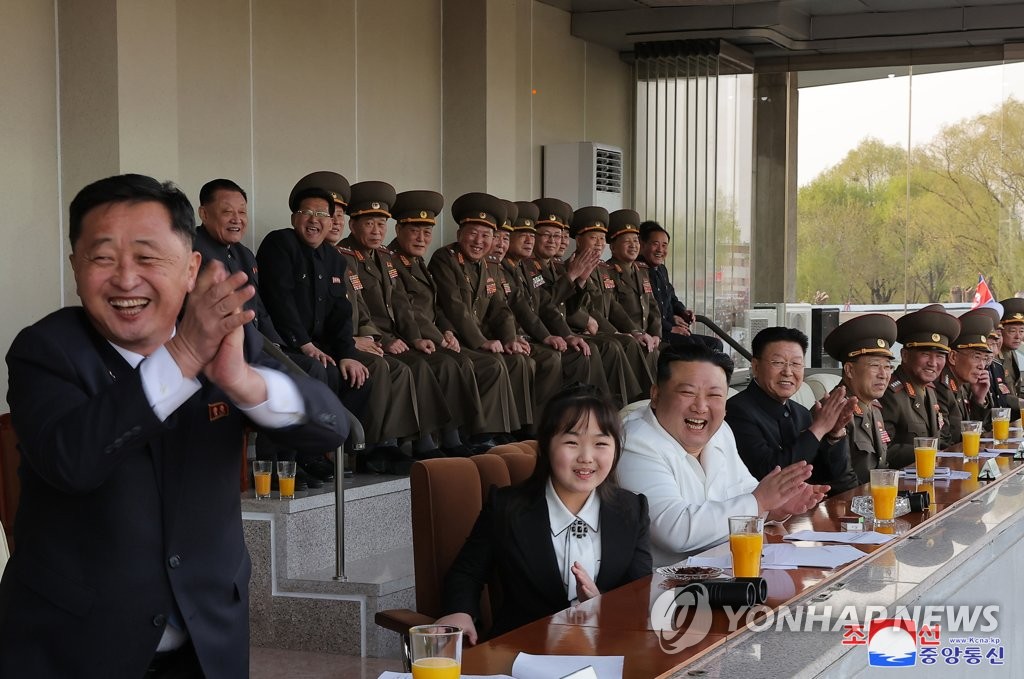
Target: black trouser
[181,663]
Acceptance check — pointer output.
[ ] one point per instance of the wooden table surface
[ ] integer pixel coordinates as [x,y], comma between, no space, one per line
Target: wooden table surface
[618,622]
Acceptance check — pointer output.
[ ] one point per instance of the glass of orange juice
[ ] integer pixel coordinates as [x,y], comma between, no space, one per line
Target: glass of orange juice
[435,651]
[925,449]
[261,471]
[286,478]
[1000,424]
[970,431]
[883,494]
[745,542]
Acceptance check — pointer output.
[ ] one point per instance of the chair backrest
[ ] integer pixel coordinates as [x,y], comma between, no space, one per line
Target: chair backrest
[520,464]
[630,407]
[822,383]
[493,472]
[10,484]
[804,396]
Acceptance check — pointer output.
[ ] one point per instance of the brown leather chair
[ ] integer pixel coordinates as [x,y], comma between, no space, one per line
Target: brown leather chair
[10,484]
[447,495]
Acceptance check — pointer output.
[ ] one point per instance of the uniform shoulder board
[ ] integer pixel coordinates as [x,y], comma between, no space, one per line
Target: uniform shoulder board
[493,259]
[896,386]
[537,266]
[642,265]
[604,265]
[346,250]
[384,249]
[876,404]
[451,250]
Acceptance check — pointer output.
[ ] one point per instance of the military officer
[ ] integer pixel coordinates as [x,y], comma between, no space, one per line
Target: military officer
[415,214]
[471,297]
[1001,393]
[1012,329]
[911,406]
[391,412]
[589,227]
[965,374]
[632,281]
[535,313]
[863,346]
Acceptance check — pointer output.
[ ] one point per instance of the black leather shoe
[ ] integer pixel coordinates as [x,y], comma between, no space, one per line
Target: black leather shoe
[400,465]
[430,454]
[318,467]
[461,450]
[304,481]
[376,460]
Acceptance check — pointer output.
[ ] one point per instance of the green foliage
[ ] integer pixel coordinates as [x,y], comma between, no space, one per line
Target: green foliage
[877,228]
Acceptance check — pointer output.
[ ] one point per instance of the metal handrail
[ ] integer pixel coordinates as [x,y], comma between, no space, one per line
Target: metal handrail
[726,337]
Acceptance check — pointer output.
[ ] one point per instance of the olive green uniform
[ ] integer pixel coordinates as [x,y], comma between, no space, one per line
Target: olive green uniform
[910,410]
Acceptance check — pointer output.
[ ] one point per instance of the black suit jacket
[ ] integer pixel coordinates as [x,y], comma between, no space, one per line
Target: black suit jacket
[304,290]
[125,520]
[237,258]
[757,421]
[512,541]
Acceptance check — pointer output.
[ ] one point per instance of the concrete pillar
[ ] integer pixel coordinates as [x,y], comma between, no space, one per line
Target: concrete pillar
[773,232]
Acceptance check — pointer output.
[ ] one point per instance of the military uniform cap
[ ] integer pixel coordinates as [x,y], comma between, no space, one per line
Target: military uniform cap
[511,212]
[867,335]
[934,307]
[331,182]
[479,208]
[975,325]
[526,216]
[623,221]
[1013,310]
[553,212]
[990,312]
[371,199]
[417,207]
[588,219]
[927,330]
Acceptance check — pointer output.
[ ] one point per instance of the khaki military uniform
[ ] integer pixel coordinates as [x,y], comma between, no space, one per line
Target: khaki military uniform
[908,411]
[443,396]
[392,408]
[497,410]
[563,296]
[962,405]
[868,439]
[471,299]
[634,294]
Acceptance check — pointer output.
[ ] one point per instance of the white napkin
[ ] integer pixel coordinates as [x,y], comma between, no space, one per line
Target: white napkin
[868,537]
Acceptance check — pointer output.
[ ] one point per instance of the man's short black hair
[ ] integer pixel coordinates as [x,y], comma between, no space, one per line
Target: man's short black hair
[648,229]
[777,334]
[211,188]
[314,192]
[133,189]
[692,353]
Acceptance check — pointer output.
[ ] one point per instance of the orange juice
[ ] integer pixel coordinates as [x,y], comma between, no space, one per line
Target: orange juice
[746,554]
[888,528]
[287,486]
[972,443]
[924,461]
[436,668]
[971,467]
[1000,429]
[262,484]
[884,498]
[1003,463]
[930,489]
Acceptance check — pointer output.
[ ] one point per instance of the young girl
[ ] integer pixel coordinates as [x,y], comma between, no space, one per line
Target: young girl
[564,535]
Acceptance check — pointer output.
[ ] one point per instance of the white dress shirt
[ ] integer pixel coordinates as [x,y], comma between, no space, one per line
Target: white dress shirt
[569,545]
[690,498]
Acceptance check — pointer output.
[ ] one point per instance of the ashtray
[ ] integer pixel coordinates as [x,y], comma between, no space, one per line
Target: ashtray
[864,505]
[689,573]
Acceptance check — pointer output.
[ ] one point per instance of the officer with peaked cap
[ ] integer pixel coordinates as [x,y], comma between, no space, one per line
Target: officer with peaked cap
[415,214]
[911,406]
[391,412]
[632,282]
[1002,395]
[965,375]
[445,398]
[863,345]
[471,297]
[600,313]
[1012,329]
[562,283]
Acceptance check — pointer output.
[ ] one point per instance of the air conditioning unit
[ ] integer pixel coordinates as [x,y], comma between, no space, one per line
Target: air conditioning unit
[584,173]
[789,315]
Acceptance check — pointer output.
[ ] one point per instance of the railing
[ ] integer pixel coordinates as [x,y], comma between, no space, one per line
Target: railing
[726,337]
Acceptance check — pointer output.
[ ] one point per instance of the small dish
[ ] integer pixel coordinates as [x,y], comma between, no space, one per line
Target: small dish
[689,573]
[864,505]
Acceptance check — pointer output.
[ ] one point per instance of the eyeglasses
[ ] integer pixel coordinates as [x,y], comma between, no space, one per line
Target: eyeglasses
[781,365]
[318,214]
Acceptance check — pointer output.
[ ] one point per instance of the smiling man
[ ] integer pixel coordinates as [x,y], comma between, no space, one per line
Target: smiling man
[680,453]
[130,556]
[966,374]
[911,406]
[773,430]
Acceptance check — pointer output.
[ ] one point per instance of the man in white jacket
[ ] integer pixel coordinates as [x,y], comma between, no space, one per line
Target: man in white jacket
[679,452]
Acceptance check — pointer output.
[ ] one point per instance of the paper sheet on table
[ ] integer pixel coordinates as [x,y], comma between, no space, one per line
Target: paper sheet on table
[406,675]
[988,452]
[1017,439]
[528,666]
[868,537]
[781,556]
[996,452]
[940,473]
